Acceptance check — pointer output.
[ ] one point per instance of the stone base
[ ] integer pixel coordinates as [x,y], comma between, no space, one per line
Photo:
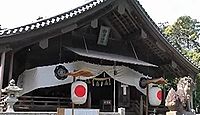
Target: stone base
[171,113]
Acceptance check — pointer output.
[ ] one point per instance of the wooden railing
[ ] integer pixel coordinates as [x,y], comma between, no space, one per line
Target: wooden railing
[50,113]
[109,113]
[41,103]
[36,103]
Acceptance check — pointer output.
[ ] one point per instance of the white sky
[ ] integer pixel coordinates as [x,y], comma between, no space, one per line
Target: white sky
[170,10]
[15,13]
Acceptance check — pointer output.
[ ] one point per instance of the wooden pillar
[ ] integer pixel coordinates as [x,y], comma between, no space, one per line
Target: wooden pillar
[73,105]
[114,88]
[89,97]
[114,93]
[141,105]
[195,94]
[2,70]
[147,99]
[11,66]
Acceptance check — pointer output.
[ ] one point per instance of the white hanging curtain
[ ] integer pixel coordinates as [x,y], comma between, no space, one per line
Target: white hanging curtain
[41,77]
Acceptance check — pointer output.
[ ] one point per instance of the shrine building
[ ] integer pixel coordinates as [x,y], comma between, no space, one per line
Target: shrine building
[116,40]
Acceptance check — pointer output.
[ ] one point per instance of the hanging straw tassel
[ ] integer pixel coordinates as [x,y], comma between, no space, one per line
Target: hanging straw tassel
[109,82]
[106,82]
[93,82]
[97,84]
[101,83]
[88,81]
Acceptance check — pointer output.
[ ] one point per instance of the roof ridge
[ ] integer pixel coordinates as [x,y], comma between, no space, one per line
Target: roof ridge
[51,20]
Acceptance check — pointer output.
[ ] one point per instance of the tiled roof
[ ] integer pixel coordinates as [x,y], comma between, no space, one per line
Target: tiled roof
[52,20]
[78,11]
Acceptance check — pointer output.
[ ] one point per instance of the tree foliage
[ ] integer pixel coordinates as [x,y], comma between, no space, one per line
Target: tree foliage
[184,33]
[195,56]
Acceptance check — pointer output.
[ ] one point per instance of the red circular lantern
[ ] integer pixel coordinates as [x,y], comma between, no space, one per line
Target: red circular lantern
[159,95]
[155,96]
[79,92]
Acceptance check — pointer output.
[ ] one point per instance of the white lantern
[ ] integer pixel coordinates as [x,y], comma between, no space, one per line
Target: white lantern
[79,92]
[155,96]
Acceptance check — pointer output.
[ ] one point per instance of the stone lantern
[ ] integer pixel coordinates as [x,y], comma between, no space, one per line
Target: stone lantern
[12,92]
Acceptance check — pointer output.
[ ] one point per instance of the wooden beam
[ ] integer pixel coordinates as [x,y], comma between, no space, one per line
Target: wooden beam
[4,48]
[69,28]
[121,9]
[94,23]
[128,12]
[116,33]
[121,22]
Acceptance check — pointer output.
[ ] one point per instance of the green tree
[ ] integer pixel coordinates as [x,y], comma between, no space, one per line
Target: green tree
[184,33]
[195,56]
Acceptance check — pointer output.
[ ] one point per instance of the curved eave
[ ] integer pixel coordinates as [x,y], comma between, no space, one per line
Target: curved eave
[53,26]
[153,28]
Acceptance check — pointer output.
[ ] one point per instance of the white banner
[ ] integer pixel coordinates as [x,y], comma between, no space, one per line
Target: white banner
[41,77]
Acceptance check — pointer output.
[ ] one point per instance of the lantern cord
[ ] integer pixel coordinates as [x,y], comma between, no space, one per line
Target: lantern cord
[85,44]
[133,50]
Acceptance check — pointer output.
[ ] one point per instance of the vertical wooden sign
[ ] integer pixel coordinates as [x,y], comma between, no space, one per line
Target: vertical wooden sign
[123,95]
